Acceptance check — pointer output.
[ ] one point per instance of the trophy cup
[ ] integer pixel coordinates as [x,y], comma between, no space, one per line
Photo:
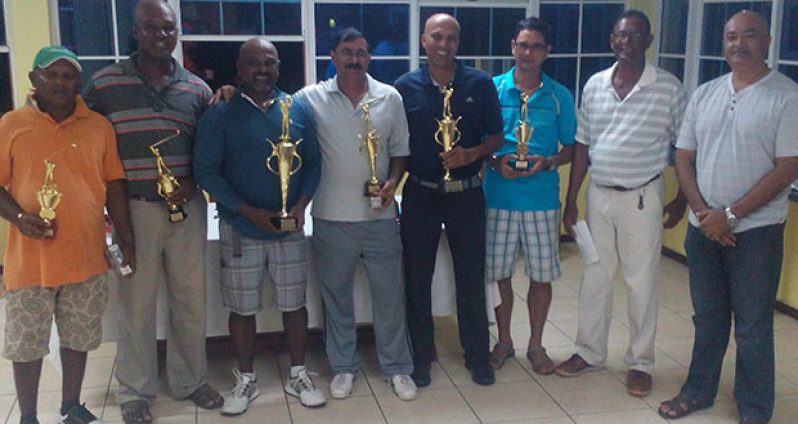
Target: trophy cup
[167,183]
[284,152]
[48,195]
[371,142]
[447,136]
[523,133]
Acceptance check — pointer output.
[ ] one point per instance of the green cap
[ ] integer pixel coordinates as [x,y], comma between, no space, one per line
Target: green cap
[49,55]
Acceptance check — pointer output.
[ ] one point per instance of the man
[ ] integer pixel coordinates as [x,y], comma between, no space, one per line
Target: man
[347,227]
[428,201]
[630,116]
[229,157]
[523,206]
[56,266]
[148,98]
[737,155]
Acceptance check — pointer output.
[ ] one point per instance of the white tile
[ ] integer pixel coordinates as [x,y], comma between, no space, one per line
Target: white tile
[590,393]
[353,410]
[643,416]
[432,406]
[510,401]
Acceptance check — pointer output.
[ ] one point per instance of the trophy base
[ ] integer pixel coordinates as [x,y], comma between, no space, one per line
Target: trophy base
[371,191]
[49,233]
[284,224]
[452,186]
[176,213]
[519,165]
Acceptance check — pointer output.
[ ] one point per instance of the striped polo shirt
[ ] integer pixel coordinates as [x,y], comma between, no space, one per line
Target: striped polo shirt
[629,140]
[142,115]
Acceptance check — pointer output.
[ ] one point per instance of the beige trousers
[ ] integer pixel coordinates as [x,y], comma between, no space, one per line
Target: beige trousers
[628,238]
[172,257]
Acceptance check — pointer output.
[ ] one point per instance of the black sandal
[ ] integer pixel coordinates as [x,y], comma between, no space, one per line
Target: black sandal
[136,412]
[206,397]
[681,406]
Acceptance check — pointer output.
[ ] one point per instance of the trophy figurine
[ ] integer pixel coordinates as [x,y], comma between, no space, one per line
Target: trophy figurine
[523,133]
[167,183]
[447,136]
[48,195]
[284,153]
[371,143]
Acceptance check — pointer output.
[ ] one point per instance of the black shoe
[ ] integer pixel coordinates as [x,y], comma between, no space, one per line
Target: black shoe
[483,374]
[421,376]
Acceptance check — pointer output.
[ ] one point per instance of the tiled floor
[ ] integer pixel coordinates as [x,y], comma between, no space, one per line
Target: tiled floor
[519,395]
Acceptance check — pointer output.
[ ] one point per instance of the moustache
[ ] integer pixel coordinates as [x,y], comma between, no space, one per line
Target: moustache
[353,66]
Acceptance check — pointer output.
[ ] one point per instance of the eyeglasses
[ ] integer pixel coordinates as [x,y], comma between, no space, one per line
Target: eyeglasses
[629,36]
[359,53]
[537,47]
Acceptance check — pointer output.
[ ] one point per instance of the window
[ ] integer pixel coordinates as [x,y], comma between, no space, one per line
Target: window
[788,51]
[98,32]
[581,40]
[487,48]
[6,92]
[385,26]
[711,62]
[241,17]
[673,36]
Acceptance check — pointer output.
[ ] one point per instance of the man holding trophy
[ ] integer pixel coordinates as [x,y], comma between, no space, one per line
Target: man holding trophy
[257,156]
[522,187]
[58,169]
[362,133]
[454,123]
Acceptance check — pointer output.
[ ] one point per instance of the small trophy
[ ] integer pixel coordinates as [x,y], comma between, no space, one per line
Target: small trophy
[523,133]
[167,183]
[447,136]
[48,195]
[371,143]
[284,151]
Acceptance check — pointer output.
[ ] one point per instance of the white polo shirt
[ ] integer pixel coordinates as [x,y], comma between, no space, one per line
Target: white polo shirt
[629,139]
[344,168]
[737,136]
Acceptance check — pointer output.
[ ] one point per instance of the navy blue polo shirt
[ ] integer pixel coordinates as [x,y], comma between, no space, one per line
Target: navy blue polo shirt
[474,98]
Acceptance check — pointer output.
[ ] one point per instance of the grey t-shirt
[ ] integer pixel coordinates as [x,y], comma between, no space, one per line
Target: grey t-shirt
[737,136]
[339,128]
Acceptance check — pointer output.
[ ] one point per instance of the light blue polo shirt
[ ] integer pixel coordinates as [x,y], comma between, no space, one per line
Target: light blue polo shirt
[552,115]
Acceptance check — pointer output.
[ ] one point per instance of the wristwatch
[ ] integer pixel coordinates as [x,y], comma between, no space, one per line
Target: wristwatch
[731,218]
[553,166]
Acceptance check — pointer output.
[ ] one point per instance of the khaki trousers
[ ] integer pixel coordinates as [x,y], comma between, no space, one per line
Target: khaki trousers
[171,256]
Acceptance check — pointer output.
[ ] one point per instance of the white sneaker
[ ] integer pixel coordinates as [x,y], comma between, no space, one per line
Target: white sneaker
[403,386]
[303,387]
[341,385]
[244,392]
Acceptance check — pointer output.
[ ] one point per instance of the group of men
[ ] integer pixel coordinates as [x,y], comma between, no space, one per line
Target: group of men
[736,155]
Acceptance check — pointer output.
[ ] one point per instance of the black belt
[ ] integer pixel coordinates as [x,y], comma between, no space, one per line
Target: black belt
[452,186]
[143,198]
[622,188]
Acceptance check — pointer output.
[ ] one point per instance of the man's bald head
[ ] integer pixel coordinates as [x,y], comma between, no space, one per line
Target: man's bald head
[256,44]
[155,30]
[148,7]
[441,19]
[746,41]
[258,67]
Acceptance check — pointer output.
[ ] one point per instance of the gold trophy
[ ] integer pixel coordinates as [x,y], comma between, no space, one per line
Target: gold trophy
[523,133]
[284,151]
[447,136]
[371,143]
[167,183]
[48,195]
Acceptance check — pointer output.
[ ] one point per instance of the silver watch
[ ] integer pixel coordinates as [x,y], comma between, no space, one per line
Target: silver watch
[731,218]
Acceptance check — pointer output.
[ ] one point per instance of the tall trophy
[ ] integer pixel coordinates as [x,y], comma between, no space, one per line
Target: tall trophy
[284,153]
[48,195]
[371,143]
[167,183]
[447,136]
[523,133]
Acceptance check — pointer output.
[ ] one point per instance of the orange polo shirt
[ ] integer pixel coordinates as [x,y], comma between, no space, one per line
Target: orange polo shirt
[27,137]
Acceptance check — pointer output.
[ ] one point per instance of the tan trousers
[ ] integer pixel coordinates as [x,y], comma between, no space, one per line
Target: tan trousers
[171,256]
[631,238]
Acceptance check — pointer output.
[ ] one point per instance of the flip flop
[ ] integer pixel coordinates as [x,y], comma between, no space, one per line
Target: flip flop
[541,363]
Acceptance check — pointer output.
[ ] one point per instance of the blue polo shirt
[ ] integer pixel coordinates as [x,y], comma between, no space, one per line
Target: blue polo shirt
[551,113]
[474,99]
[230,153]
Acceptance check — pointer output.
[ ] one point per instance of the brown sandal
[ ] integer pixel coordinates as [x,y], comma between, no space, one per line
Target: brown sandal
[681,406]
[206,397]
[541,363]
[501,353]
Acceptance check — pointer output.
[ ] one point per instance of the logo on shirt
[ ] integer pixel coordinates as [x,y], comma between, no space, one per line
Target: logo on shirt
[469,99]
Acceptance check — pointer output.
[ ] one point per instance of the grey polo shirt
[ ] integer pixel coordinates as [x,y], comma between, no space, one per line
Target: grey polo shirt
[737,136]
[339,128]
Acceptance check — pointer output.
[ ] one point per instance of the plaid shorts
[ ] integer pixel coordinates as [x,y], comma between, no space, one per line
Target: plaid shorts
[536,232]
[78,310]
[282,263]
